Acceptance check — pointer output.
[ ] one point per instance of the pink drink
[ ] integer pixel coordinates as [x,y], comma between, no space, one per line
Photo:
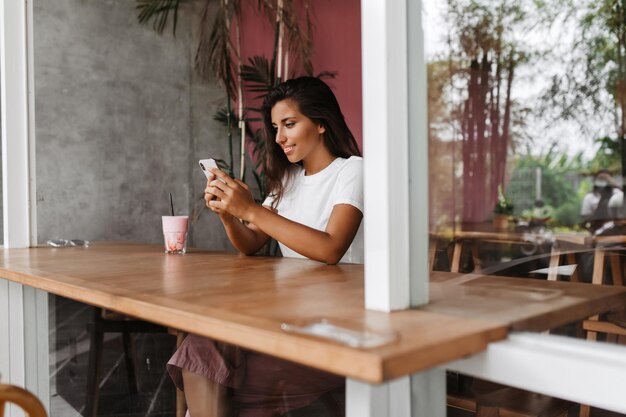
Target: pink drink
[175,233]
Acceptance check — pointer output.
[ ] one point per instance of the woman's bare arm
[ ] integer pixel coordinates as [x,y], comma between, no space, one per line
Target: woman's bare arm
[328,246]
[248,239]
[235,199]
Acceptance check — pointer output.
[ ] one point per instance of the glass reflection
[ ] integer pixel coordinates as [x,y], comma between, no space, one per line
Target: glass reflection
[527,127]
[525,124]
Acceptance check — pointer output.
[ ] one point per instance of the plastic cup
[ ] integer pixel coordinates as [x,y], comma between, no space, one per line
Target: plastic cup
[175,233]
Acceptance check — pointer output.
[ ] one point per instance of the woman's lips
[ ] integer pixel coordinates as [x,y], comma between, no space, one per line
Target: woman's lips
[288,150]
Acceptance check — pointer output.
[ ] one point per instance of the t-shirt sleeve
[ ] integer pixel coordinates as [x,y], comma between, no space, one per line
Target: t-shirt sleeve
[268,200]
[349,188]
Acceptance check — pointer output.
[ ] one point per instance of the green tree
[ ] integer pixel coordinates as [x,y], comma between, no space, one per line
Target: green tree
[594,87]
[559,172]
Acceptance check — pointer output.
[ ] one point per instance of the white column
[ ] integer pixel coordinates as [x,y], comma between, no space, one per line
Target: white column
[390,399]
[15,124]
[418,156]
[386,152]
[23,310]
[395,146]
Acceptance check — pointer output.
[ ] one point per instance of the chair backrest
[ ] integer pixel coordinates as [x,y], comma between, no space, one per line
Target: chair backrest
[23,399]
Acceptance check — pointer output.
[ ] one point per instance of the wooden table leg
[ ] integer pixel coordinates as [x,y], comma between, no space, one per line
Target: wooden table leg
[584,411]
[477,264]
[598,266]
[432,251]
[456,256]
[596,278]
[571,260]
[616,269]
[555,256]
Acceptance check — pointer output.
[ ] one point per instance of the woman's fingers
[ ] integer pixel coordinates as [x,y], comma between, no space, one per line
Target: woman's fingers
[217,192]
[221,175]
[218,184]
[216,206]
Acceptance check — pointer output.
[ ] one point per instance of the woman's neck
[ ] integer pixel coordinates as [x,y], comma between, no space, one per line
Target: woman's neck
[319,160]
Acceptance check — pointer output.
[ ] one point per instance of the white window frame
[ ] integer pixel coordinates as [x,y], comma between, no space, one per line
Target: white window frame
[24,357]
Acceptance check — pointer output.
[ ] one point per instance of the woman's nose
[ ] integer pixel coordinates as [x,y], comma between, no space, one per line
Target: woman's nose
[280,138]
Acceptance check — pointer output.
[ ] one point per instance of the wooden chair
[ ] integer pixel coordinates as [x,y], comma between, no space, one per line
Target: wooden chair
[488,399]
[110,322]
[513,402]
[24,399]
[614,326]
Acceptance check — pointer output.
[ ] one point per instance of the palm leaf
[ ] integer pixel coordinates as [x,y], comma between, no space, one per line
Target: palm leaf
[299,41]
[222,116]
[258,74]
[158,11]
[213,57]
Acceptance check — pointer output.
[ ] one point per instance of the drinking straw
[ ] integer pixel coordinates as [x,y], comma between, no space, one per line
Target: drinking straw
[172,204]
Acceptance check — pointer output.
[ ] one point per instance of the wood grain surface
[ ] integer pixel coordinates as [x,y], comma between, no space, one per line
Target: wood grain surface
[523,304]
[244,300]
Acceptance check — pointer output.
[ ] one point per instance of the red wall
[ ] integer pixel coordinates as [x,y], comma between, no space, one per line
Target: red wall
[336,47]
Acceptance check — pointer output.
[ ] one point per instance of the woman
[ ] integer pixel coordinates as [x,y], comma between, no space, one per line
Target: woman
[315,173]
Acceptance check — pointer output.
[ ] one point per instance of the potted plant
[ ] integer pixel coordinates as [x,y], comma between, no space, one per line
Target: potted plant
[502,211]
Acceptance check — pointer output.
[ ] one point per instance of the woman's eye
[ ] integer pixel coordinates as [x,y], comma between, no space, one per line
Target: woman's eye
[290,124]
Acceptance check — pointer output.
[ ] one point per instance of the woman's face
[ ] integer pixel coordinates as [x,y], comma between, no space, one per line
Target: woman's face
[297,135]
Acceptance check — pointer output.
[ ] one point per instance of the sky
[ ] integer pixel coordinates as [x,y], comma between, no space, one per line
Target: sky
[530,81]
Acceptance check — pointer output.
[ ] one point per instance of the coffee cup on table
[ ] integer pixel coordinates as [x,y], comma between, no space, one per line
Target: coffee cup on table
[175,233]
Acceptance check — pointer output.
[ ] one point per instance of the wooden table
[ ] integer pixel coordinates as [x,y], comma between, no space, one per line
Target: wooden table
[244,300]
[504,236]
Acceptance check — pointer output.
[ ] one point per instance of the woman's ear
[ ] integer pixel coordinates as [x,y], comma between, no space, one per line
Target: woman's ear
[321,129]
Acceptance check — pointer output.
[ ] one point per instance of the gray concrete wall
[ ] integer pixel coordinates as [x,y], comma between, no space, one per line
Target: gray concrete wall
[121,120]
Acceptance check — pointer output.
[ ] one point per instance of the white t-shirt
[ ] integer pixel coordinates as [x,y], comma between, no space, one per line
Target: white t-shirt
[309,200]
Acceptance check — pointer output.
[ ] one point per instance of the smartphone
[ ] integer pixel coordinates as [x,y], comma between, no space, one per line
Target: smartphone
[206,164]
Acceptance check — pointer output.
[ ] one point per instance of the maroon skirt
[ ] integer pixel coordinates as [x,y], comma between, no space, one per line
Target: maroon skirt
[263,386]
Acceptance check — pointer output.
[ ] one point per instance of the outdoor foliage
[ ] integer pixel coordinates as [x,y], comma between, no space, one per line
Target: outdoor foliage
[558,189]
[485,131]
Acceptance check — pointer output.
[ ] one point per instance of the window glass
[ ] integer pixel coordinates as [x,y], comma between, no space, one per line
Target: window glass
[525,122]
[526,108]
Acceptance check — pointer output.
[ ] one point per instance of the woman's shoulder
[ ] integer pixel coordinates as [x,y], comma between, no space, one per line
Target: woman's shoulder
[351,162]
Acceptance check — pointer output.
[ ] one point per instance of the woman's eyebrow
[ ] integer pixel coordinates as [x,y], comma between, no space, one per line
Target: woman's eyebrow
[283,120]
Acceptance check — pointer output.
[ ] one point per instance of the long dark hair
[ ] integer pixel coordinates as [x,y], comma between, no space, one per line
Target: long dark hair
[316,101]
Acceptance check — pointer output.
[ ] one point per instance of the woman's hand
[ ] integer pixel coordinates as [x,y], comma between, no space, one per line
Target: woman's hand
[208,196]
[232,196]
